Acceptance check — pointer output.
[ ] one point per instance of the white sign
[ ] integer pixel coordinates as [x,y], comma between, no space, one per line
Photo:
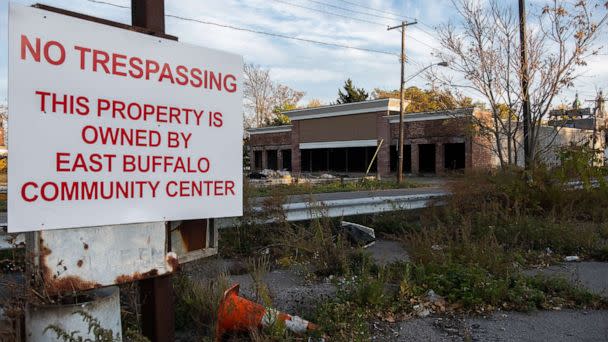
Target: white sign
[110,126]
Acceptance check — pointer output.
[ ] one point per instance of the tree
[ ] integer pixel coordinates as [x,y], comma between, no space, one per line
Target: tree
[263,97]
[426,100]
[482,51]
[257,90]
[351,93]
[313,103]
[278,118]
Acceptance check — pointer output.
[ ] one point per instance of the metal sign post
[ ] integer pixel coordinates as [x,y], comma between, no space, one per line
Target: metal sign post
[156,294]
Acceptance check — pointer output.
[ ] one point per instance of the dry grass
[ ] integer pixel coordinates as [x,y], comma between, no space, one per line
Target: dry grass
[333,186]
[198,303]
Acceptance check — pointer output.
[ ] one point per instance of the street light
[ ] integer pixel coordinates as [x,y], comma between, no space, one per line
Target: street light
[442,63]
[401,133]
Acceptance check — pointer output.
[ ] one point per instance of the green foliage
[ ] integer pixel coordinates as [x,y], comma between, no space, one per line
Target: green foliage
[579,162]
[351,93]
[520,215]
[278,118]
[100,334]
[344,321]
[426,100]
[135,336]
[391,223]
[258,268]
[250,234]
[471,250]
[475,288]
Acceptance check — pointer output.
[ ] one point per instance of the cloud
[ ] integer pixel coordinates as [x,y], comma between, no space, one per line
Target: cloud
[318,70]
[309,75]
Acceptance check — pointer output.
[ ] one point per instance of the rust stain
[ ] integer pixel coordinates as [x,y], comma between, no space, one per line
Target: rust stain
[86,245]
[56,285]
[68,284]
[79,263]
[193,234]
[127,278]
[173,262]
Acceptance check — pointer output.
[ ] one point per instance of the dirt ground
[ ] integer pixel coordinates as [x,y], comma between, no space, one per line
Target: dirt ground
[292,292]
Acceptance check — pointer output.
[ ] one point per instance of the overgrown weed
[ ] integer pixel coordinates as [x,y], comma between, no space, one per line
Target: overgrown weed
[197,304]
[471,251]
[317,244]
[332,186]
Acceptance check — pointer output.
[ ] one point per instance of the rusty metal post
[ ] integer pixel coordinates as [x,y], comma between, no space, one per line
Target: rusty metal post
[156,294]
[148,14]
[158,321]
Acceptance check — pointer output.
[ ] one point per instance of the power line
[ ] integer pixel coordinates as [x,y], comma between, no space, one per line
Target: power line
[349,17]
[370,14]
[373,9]
[354,11]
[331,13]
[386,12]
[279,35]
[109,3]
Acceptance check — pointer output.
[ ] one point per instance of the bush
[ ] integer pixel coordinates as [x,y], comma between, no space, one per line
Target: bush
[513,214]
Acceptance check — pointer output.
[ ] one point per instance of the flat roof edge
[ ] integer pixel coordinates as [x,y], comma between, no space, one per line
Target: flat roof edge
[269,129]
[351,104]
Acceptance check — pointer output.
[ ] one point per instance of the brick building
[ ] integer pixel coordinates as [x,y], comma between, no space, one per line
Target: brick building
[344,138]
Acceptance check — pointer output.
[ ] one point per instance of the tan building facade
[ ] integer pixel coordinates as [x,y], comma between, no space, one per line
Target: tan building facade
[344,138]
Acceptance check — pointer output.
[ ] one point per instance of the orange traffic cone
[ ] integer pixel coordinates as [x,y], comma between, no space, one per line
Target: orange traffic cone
[237,314]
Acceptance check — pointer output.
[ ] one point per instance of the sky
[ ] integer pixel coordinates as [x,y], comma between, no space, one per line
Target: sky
[317,70]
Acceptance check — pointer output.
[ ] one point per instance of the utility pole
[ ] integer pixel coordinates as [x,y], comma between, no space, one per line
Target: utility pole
[528,146]
[403,25]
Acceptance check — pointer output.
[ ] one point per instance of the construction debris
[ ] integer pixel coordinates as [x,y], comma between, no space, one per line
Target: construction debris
[237,314]
[257,175]
[359,234]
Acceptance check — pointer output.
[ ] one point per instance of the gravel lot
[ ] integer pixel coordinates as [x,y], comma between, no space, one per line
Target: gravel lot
[294,294]
[566,325]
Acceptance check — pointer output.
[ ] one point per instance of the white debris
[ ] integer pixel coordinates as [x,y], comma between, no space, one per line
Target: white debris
[572,258]
[284,173]
[269,173]
[359,234]
[431,296]
[421,311]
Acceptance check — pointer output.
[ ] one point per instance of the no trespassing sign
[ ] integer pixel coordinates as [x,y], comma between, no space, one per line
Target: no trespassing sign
[109,126]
